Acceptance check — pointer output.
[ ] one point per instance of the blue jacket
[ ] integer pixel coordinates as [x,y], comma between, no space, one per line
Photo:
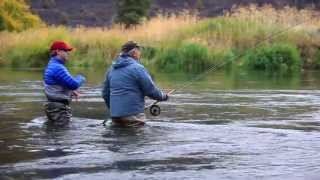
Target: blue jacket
[58,82]
[127,83]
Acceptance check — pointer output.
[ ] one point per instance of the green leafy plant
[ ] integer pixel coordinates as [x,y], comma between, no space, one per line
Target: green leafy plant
[189,57]
[276,57]
[15,15]
[131,12]
[317,59]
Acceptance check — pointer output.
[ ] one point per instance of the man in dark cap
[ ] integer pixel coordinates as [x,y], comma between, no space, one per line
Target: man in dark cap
[126,84]
[59,85]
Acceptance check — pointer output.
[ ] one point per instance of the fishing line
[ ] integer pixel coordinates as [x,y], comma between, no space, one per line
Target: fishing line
[214,67]
[155,110]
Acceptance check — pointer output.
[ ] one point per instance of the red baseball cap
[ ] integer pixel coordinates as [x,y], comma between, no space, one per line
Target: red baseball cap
[60,45]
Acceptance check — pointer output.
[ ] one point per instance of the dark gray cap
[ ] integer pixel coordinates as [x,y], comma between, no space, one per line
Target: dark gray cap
[128,46]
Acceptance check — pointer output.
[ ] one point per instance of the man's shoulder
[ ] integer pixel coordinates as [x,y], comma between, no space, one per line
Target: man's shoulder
[56,66]
[137,66]
[138,69]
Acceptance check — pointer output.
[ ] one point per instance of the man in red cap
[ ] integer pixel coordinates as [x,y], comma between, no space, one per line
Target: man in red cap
[59,85]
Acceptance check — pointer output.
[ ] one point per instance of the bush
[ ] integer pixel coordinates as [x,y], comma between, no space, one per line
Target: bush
[190,57]
[167,59]
[194,57]
[131,12]
[277,57]
[149,52]
[28,56]
[317,59]
[15,15]
[47,4]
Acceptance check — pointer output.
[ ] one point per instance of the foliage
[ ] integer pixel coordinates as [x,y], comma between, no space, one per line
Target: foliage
[190,57]
[131,12]
[274,57]
[15,15]
[181,42]
[317,59]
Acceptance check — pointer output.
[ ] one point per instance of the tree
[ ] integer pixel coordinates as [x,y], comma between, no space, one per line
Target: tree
[15,15]
[131,12]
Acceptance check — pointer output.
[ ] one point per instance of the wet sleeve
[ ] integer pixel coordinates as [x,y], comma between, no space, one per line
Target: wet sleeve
[148,86]
[106,90]
[64,78]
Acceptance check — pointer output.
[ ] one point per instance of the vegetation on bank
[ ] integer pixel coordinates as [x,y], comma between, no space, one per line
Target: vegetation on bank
[246,37]
[275,57]
[15,15]
[131,13]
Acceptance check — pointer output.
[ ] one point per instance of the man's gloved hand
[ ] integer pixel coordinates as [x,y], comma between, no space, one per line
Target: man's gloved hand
[166,97]
[75,94]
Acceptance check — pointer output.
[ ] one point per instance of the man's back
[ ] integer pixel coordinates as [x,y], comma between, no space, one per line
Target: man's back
[127,83]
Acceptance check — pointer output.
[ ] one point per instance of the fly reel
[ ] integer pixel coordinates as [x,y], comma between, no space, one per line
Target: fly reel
[155,110]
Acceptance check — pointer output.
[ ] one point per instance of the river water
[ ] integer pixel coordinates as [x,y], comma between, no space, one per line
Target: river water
[229,125]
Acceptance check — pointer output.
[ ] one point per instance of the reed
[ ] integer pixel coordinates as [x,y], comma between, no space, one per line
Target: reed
[177,42]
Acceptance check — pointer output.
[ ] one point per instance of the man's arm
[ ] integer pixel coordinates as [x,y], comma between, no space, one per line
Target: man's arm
[64,78]
[148,86]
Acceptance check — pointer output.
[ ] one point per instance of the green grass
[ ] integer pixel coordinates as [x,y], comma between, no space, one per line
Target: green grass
[31,55]
[190,57]
[317,59]
[182,43]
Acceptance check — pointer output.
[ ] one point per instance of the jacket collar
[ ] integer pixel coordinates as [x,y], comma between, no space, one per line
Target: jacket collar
[56,59]
[126,55]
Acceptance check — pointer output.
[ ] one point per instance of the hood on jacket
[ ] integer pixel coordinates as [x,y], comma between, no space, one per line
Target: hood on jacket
[123,61]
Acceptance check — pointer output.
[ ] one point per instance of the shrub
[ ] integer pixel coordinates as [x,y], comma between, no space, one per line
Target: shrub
[194,57]
[190,57]
[273,57]
[131,12]
[167,59]
[47,4]
[317,59]
[15,15]
[149,52]
[28,56]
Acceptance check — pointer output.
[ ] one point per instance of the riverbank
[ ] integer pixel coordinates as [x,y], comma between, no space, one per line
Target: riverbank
[185,42]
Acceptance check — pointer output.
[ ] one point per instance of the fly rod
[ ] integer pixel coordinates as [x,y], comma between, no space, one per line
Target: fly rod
[155,109]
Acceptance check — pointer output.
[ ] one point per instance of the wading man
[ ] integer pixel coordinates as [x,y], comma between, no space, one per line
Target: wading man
[59,85]
[126,84]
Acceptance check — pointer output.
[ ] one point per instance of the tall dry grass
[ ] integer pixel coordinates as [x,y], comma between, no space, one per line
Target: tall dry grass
[92,44]
[303,25]
[229,35]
